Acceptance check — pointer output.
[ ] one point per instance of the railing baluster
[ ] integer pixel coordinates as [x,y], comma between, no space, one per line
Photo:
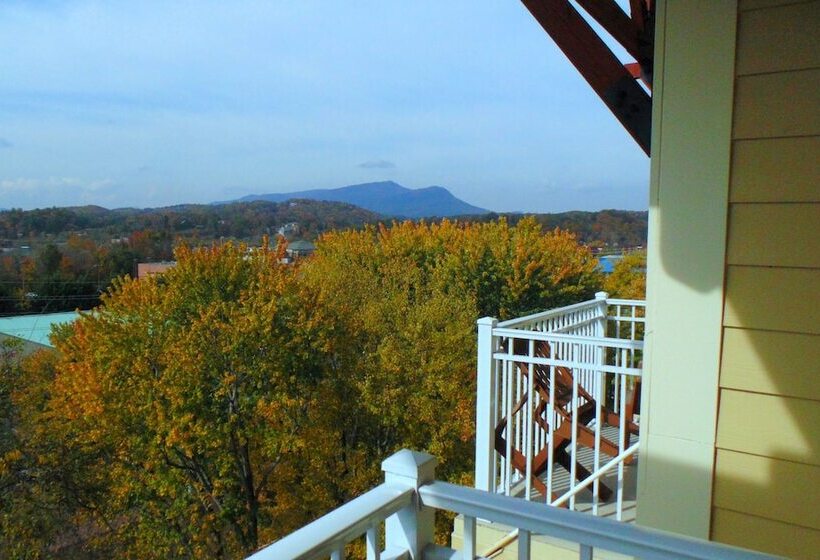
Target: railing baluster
[496,412]
[372,539]
[552,416]
[528,453]
[338,554]
[524,545]
[573,471]
[621,448]
[509,429]
[598,429]
[584,552]
[469,549]
[518,382]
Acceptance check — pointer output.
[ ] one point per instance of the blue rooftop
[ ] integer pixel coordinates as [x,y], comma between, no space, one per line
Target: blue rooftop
[34,328]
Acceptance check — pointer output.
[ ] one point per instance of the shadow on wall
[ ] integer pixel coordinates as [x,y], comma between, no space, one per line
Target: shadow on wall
[767,464]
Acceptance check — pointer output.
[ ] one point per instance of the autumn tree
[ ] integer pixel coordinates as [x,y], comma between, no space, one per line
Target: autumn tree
[398,307]
[196,392]
[628,277]
[209,410]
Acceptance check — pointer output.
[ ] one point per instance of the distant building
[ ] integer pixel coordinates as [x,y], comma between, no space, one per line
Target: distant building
[300,248]
[33,330]
[290,228]
[148,269]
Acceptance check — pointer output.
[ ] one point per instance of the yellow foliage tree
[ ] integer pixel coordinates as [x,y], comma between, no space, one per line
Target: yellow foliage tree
[197,389]
[628,278]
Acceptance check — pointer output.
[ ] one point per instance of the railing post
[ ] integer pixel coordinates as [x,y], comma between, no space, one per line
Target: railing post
[413,527]
[600,298]
[484,428]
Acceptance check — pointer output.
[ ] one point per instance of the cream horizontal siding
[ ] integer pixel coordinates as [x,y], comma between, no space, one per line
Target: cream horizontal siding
[749,531]
[776,170]
[778,299]
[773,363]
[776,40]
[778,104]
[773,426]
[767,470]
[783,235]
[746,5]
[769,488]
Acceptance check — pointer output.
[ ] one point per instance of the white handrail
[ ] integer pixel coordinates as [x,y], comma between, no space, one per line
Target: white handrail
[332,531]
[595,475]
[572,338]
[410,495]
[574,526]
[547,314]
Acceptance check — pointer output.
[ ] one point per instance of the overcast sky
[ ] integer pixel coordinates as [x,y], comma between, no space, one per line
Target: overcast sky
[151,103]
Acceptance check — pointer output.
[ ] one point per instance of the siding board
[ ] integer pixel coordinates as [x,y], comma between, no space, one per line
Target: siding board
[779,39]
[775,105]
[769,488]
[771,362]
[776,170]
[745,5]
[771,426]
[778,299]
[783,235]
[774,537]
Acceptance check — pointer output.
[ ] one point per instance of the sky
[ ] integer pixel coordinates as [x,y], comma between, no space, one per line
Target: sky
[159,102]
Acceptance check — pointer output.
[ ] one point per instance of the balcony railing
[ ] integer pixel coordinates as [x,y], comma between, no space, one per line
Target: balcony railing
[401,511]
[557,402]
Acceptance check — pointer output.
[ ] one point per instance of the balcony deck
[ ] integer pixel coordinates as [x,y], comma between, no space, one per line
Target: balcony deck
[542,378]
[583,501]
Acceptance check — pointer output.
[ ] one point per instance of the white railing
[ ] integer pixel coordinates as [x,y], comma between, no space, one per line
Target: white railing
[556,404]
[405,506]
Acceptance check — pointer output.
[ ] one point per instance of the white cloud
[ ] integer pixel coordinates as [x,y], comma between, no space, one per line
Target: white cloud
[27,192]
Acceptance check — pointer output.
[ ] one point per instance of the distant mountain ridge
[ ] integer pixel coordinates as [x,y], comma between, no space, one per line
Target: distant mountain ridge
[386,197]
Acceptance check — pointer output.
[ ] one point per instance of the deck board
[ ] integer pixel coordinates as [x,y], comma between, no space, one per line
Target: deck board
[584,500]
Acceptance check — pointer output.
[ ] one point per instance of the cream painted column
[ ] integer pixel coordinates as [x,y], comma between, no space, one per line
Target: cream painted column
[691,149]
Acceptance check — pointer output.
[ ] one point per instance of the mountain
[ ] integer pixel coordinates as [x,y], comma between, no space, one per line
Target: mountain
[388,198]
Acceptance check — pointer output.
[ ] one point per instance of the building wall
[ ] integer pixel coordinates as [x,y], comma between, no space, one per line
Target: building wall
[767,468]
[148,269]
[691,149]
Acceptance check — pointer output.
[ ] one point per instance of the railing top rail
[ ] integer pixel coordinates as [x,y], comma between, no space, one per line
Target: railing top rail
[339,526]
[574,526]
[622,343]
[635,302]
[605,368]
[557,312]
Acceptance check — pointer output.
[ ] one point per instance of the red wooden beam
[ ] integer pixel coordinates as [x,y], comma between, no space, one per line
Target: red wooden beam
[643,14]
[627,100]
[634,69]
[616,22]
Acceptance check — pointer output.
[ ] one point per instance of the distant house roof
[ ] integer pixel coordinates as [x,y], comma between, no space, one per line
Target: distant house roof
[150,268]
[34,328]
[301,247]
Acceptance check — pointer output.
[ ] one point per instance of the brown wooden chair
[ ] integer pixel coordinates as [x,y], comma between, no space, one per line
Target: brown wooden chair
[561,437]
